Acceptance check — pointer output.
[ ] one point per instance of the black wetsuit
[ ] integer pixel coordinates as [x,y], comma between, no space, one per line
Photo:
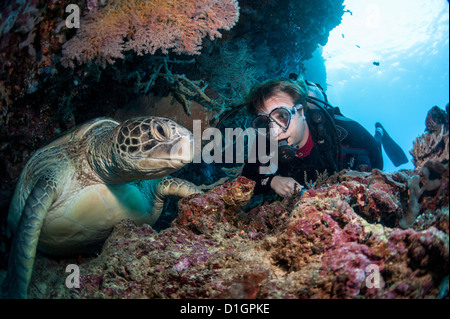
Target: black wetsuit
[358,147]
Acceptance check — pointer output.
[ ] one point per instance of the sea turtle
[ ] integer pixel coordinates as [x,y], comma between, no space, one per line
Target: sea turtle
[74,190]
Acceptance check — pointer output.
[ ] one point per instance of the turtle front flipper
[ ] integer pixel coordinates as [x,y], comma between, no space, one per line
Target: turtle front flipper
[171,186]
[24,245]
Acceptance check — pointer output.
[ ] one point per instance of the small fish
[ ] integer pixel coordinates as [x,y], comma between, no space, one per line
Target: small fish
[367,237]
[343,36]
[376,63]
[358,46]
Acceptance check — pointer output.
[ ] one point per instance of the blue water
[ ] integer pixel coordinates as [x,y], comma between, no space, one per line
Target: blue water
[410,41]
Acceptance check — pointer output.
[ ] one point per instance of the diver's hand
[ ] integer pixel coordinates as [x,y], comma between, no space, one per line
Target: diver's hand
[285,186]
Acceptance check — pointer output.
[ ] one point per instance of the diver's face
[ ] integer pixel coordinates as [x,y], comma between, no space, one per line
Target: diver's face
[296,133]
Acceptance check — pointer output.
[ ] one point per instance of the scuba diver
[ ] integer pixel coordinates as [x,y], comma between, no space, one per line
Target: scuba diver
[313,137]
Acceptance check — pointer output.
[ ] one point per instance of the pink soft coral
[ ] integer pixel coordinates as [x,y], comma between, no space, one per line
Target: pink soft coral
[145,26]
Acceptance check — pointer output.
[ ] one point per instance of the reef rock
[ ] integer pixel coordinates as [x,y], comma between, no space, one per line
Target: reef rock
[356,235]
[433,144]
[331,242]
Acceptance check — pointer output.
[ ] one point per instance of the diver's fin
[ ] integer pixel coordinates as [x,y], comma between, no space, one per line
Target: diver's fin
[392,149]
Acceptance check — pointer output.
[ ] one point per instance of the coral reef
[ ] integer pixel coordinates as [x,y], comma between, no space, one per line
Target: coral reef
[434,143]
[430,157]
[320,249]
[341,239]
[352,235]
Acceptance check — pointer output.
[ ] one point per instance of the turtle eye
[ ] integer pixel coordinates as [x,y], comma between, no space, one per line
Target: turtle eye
[161,131]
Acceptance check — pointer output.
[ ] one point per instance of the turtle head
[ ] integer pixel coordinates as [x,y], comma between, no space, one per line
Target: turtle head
[151,147]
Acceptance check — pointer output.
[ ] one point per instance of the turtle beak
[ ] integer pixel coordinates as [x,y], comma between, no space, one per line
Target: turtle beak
[183,149]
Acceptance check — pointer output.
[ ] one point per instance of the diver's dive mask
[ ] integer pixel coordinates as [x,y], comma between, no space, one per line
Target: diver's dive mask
[280,116]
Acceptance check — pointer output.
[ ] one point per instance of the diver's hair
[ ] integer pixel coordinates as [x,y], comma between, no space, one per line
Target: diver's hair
[259,94]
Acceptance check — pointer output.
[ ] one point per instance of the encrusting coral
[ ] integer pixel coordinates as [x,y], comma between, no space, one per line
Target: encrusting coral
[321,249]
[339,240]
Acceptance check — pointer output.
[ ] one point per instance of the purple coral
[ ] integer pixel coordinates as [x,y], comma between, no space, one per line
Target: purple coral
[348,264]
[182,264]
